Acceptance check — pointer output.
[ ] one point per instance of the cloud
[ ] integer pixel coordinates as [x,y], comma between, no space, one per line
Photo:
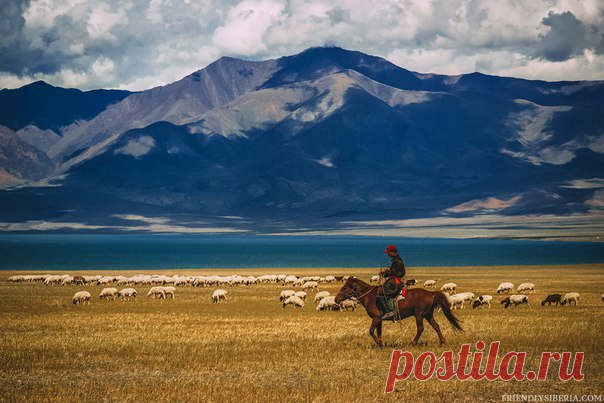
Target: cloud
[488,204]
[245,26]
[137,147]
[565,39]
[593,183]
[160,41]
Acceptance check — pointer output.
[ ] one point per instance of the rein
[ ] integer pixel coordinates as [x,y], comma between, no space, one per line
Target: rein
[359,297]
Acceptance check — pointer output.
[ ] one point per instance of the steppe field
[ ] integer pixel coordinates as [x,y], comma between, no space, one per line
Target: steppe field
[251,349]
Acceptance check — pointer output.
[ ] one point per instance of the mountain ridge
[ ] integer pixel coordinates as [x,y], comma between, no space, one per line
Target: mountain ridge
[322,138]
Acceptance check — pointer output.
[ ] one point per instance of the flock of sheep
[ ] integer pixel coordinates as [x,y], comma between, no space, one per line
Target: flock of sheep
[164,287]
[460,299]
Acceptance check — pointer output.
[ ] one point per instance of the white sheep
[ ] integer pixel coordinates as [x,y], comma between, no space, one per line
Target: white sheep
[526,287]
[460,299]
[505,287]
[169,291]
[285,294]
[290,280]
[449,287]
[127,294]
[328,303]
[569,298]
[482,301]
[219,295]
[301,295]
[81,297]
[157,292]
[430,283]
[515,300]
[320,295]
[297,302]
[348,304]
[310,285]
[108,292]
[374,279]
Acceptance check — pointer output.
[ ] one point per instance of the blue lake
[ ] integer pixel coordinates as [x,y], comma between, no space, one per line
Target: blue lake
[152,252]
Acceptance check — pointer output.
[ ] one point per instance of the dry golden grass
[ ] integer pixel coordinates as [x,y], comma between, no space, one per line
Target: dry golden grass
[251,349]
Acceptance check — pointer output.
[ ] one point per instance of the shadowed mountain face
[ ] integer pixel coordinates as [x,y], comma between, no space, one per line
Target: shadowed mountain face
[314,140]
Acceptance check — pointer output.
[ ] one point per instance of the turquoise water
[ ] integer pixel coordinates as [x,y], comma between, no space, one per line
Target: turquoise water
[152,252]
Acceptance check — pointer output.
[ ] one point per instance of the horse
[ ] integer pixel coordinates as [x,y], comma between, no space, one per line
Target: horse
[418,302]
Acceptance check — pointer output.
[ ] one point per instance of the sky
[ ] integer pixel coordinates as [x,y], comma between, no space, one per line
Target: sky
[137,45]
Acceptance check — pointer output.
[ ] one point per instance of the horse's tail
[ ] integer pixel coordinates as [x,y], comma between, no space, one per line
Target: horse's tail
[442,301]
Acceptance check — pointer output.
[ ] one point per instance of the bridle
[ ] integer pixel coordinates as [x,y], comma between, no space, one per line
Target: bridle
[354,291]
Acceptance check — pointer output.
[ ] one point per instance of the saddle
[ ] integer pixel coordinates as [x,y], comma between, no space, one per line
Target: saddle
[387,304]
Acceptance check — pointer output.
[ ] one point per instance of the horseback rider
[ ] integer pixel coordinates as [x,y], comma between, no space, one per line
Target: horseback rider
[394,281]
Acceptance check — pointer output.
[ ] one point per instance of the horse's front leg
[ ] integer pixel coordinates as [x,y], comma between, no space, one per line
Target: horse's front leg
[419,322]
[376,324]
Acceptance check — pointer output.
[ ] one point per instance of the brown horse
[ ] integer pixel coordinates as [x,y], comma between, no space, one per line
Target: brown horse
[418,302]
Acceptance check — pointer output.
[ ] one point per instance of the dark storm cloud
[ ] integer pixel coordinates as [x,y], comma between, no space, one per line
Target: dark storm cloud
[15,55]
[565,39]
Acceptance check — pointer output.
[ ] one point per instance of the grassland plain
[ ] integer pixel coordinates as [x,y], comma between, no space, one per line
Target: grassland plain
[252,349]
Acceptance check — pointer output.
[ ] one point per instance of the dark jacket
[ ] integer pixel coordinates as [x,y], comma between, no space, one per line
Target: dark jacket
[397,268]
[394,283]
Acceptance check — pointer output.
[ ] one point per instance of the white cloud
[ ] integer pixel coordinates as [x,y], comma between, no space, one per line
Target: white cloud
[103,66]
[101,22]
[246,24]
[159,41]
[489,204]
[137,147]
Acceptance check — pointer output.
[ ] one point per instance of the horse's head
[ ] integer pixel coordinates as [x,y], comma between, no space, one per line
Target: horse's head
[352,288]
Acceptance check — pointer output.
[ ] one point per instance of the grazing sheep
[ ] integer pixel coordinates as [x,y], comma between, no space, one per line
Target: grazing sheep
[297,302]
[569,298]
[328,303]
[411,282]
[320,295]
[449,287]
[81,297]
[552,298]
[301,295]
[430,283]
[460,299]
[348,304]
[289,280]
[310,285]
[505,287]
[219,295]
[482,301]
[157,292]
[286,294]
[526,287]
[374,279]
[169,291]
[108,292]
[127,294]
[79,280]
[515,300]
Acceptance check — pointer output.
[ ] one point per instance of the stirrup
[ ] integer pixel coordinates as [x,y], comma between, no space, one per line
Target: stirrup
[388,315]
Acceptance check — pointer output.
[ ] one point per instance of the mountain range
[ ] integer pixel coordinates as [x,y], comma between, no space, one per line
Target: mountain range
[327,139]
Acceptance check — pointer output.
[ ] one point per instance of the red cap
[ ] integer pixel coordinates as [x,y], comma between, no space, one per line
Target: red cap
[390,248]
